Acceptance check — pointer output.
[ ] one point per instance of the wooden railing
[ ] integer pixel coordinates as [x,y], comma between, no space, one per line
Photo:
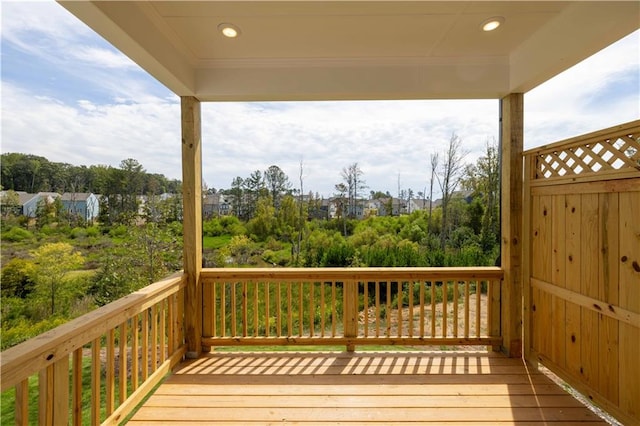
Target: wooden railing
[351,306]
[98,367]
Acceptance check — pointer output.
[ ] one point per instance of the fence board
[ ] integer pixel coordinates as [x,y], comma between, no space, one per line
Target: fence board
[592,292]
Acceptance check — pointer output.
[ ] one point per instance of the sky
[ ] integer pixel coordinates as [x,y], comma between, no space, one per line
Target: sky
[69,96]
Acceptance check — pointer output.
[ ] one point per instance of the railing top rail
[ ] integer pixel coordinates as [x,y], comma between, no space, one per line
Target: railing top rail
[353,274]
[611,132]
[21,361]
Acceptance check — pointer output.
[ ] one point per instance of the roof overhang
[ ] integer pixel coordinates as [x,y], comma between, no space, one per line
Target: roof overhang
[310,50]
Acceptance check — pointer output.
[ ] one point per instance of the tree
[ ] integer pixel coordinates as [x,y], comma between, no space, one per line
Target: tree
[352,179]
[483,179]
[277,183]
[53,262]
[434,167]
[340,200]
[448,180]
[10,203]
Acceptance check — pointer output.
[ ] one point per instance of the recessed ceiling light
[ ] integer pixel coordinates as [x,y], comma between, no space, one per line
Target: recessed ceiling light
[229,30]
[492,23]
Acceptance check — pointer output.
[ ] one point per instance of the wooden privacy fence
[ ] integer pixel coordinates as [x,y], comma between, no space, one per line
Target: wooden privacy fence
[352,306]
[582,264]
[98,367]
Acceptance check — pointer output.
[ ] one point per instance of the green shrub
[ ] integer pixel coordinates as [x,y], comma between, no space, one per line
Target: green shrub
[78,232]
[16,234]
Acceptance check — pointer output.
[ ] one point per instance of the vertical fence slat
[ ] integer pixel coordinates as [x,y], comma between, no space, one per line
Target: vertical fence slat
[122,364]
[278,310]
[145,345]
[223,309]
[96,367]
[22,403]
[45,396]
[399,306]
[455,308]
[445,307]
[410,287]
[312,309]
[300,310]
[154,338]
[323,308]
[289,311]
[245,303]
[135,350]
[466,308]
[267,311]
[433,309]
[77,387]
[387,313]
[256,309]
[163,331]
[478,307]
[422,285]
[60,393]
[378,309]
[110,372]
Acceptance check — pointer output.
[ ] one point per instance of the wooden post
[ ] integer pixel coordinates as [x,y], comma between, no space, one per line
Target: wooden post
[192,222]
[350,312]
[511,146]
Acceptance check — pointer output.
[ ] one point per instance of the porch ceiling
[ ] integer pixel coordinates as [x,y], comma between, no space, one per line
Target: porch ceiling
[310,50]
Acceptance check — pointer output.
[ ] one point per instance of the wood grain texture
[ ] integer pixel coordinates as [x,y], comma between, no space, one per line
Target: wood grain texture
[332,388]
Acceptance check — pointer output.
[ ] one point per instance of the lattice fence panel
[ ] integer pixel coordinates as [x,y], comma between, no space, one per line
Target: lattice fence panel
[622,152]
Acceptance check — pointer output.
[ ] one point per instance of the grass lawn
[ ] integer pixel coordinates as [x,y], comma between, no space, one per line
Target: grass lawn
[214,243]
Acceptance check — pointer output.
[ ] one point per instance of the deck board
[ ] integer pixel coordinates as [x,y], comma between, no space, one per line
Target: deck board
[390,388]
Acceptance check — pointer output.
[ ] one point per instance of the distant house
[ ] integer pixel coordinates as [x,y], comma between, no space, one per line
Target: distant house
[215,205]
[28,203]
[81,204]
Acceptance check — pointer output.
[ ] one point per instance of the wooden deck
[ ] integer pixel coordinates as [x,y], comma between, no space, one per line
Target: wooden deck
[333,388]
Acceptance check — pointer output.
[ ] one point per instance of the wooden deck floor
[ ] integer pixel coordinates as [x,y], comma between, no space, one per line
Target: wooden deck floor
[357,389]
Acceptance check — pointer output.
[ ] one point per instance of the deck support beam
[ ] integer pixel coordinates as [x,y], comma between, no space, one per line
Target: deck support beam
[192,222]
[511,149]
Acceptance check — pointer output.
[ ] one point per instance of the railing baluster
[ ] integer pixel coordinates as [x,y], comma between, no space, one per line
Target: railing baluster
[433,309]
[267,325]
[455,308]
[110,372]
[312,309]
[60,392]
[323,308]
[410,287]
[289,311]
[122,365]
[232,310]
[445,306]
[223,309]
[145,345]
[45,396]
[154,338]
[245,302]
[300,310]
[466,309]
[22,403]
[399,306]
[422,285]
[387,314]
[162,317]
[278,311]
[365,308]
[377,308]
[256,309]
[77,387]
[478,306]
[96,367]
[333,309]
[135,350]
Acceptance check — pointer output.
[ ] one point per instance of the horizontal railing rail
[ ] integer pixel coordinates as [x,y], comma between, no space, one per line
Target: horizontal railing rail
[352,306]
[98,367]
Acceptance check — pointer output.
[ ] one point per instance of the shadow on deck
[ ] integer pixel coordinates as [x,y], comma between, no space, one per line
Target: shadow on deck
[331,388]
